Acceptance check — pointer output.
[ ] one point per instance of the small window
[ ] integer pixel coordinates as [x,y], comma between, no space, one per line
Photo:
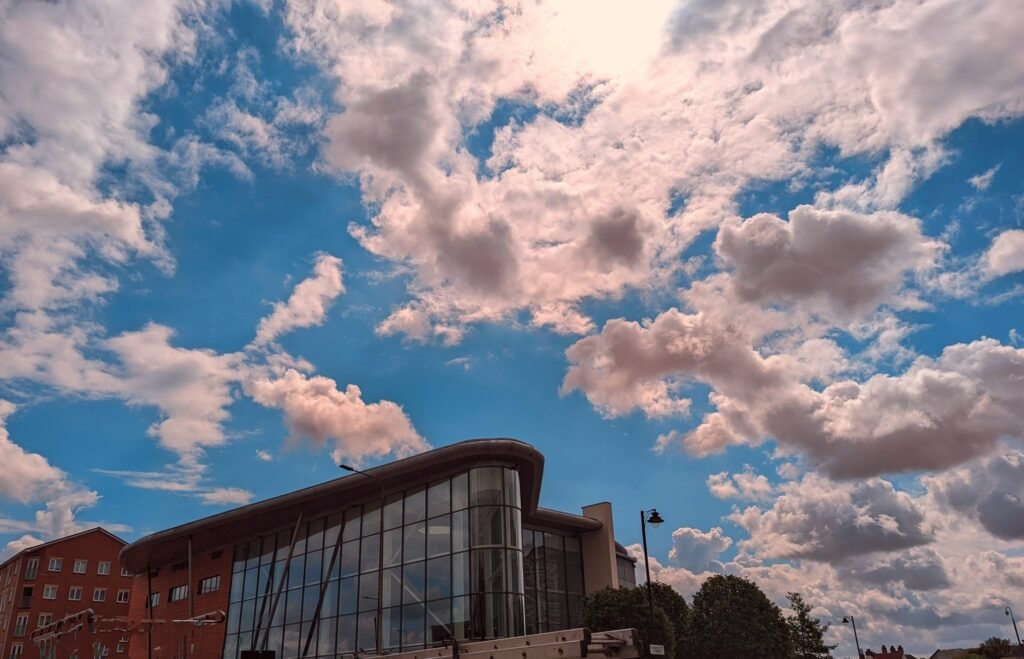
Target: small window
[125,572]
[103,567]
[56,564]
[16,651]
[31,568]
[49,592]
[44,619]
[120,648]
[21,624]
[154,600]
[122,596]
[99,594]
[81,566]
[177,593]
[209,585]
[75,594]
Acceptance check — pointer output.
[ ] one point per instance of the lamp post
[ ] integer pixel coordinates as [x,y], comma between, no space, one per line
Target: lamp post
[378,631]
[851,621]
[654,519]
[1009,612]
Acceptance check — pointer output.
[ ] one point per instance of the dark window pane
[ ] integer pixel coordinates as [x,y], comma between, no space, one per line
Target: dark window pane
[284,541]
[392,586]
[314,566]
[251,580]
[253,555]
[531,611]
[460,530]
[267,556]
[350,558]
[517,619]
[300,542]
[264,580]
[460,573]
[439,499]
[460,617]
[332,531]
[460,492]
[315,535]
[234,617]
[237,584]
[415,542]
[412,626]
[554,563]
[296,571]
[439,621]
[292,637]
[392,629]
[369,555]
[393,547]
[439,536]
[366,639]
[393,511]
[368,591]
[574,579]
[293,613]
[247,615]
[351,528]
[490,615]
[485,486]
[371,518]
[487,524]
[514,536]
[413,578]
[348,601]
[439,578]
[240,554]
[575,616]
[231,646]
[558,617]
[572,551]
[487,567]
[329,609]
[245,641]
[278,618]
[416,506]
[529,561]
[512,488]
[346,634]
[514,571]
[309,599]
[326,632]
[275,638]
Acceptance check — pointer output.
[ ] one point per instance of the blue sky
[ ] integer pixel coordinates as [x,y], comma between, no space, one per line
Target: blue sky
[756,265]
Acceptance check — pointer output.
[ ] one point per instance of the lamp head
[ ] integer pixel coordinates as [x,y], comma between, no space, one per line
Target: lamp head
[347,467]
[1006,610]
[846,620]
[654,519]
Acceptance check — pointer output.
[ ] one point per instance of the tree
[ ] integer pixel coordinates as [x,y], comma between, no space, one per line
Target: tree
[674,605]
[996,648]
[807,633]
[623,608]
[731,617]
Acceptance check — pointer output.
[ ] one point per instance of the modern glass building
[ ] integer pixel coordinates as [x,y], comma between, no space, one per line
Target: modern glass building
[446,544]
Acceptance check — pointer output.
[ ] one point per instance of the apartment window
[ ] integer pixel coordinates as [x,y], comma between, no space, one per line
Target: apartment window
[26,597]
[125,572]
[56,564]
[75,594]
[120,648]
[154,600]
[49,592]
[103,567]
[209,585]
[122,597]
[21,624]
[81,566]
[16,651]
[31,568]
[44,619]
[99,594]
[177,593]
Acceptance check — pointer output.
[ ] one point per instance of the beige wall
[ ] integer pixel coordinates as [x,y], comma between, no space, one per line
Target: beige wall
[599,570]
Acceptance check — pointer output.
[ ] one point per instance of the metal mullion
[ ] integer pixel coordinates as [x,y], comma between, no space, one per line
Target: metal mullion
[281,584]
[323,589]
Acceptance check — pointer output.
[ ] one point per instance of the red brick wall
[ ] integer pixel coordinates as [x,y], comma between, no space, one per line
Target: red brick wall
[167,640]
[94,546]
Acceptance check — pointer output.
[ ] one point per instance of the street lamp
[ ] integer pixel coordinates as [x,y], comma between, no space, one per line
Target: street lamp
[1009,612]
[848,620]
[654,519]
[379,622]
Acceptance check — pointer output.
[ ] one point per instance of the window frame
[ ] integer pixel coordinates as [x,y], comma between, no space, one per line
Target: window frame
[123,591]
[55,560]
[101,566]
[47,587]
[177,593]
[85,566]
[72,590]
[99,590]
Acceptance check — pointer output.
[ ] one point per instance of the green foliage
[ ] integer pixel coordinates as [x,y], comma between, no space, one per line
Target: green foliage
[995,648]
[731,617]
[675,607]
[610,609]
[806,632]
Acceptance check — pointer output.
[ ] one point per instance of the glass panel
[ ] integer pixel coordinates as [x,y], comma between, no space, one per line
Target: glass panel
[351,530]
[275,638]
[315,535]
[267,557]
[575,612]
[251,579]
[332,530]
[300,543]
[460,573]
[371,518]
[512,488]
[326,632]
[416,506]
[349,558]
[264,580]
[574,579]
[329,609]
[237,582]
[366,638]
[297,571]
[439,578]
[278,618]
[487,526]
[415,542]
[460,492]
[439,621]
[514,567]
[284,539]
[558,617]
[490,615]
[554,562]
[234,617]
[439,536]
[348,601]
[245,641]
[460,530]
[413,582]
[460,617]
[392,547]
[392,587]
[293,612]
[439,499]
[230,646]
[531,611]
[346,634]
[309,598]
[514,537]
[247,615]
[412,625]
[253,557]
[290,648]
[369,556]
[572,551]
[487,567]
[368,592]
[392,628]
[529,560]
[393,511]
[485,486]
[314,566]
[517,618]
[241,551]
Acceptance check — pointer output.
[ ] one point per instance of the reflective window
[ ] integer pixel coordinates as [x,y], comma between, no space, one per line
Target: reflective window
[553,577]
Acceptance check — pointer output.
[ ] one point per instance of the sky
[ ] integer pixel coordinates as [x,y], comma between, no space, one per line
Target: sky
[755,263]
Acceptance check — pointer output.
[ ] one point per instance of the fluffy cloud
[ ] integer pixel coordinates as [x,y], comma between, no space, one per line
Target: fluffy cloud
[1006,254]
[990,490]
[746,485]
[694,549]
[316,409]
[982,181]
[226,496]
[308,304]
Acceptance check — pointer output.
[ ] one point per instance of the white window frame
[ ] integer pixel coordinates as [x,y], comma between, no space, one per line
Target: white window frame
[154,600]
[40,622]
[125,593]
[75,590]
[17,650]
[216,584]
[99,594]
[21,624]
[125,572]
[32,565]
[59,562]
[103,567]
[181,592]
[47,588]
[84,565]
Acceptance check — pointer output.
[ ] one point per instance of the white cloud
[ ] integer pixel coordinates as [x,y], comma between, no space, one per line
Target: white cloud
[1006,254]
[981,182]
[308,304]
[694,549]
[226,496]
[745,485]
[264,456]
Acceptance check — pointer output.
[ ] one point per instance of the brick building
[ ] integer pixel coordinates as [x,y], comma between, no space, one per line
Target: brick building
[46,582]
[450,543]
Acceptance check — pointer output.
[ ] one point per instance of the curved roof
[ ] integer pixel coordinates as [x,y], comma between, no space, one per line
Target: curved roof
[224,529]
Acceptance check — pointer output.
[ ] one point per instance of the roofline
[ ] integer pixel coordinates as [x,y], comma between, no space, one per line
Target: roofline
[42,545]
[223,529]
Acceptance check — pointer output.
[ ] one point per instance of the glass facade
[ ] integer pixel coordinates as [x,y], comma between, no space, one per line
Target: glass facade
[553,573]
[451,554]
